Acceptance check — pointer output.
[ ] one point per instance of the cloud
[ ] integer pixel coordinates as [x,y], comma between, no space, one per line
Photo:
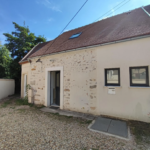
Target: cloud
[113,12]
[48,39]
[50,19]
[49,4]
[67,30]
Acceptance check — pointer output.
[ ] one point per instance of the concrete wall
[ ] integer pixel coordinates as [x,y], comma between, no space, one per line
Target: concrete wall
[7,87]
[84,89]
[25,70]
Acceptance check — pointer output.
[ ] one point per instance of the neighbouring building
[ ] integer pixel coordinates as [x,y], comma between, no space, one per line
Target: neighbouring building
[102,68]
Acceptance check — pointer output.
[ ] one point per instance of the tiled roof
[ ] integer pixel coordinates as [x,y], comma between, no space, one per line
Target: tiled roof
[35,49]
[123,26]
[147,8]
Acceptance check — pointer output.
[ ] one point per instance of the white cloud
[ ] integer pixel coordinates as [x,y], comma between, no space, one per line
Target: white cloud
[67,30]
[50,19]
[113,12]
[49,4]
[48,39]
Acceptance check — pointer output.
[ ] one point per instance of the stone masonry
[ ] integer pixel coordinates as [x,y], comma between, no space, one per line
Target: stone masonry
[80,83]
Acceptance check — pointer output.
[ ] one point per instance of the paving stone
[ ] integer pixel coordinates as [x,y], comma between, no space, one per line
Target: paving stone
[114,127]
[101,124]
[119,128]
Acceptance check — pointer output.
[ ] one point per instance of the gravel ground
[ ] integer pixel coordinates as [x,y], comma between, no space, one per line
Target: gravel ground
[27,128]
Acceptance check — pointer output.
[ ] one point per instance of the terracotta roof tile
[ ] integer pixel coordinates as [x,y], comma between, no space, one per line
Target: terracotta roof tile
[38,47]
[127,25]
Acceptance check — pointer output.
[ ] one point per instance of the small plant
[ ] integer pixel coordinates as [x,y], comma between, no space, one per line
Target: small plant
[85,122]
[23,102]
[27,89]
[141,131]
[5,104]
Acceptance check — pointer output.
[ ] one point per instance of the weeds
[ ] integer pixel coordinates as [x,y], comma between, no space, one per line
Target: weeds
[5,104]
[85,122]
[23,102]
[12,107]
[21,110]
[69,117]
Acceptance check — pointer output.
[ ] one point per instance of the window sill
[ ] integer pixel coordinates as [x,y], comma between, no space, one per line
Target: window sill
[139,87]
[112,86]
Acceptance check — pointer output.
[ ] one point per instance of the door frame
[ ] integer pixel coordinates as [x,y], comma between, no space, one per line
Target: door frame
[47,85]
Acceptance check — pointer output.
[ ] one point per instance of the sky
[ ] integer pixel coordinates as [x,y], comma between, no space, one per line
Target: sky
[49,17]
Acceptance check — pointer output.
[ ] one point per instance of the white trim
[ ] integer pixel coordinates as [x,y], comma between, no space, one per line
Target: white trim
[86,47]
[112,86]
[139,87]
[145,11]
[47,85]
[29,52]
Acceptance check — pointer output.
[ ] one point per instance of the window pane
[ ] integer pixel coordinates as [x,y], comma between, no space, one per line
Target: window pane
[112,76]
[139,76]
[75,35]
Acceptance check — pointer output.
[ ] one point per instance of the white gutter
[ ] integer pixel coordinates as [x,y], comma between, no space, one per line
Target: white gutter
[130,39]
[145,11]
[28,53]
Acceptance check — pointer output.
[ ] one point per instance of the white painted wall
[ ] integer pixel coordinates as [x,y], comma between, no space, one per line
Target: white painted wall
[24,74]
[7,87]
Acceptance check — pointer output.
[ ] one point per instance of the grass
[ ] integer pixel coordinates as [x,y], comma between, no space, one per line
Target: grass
[5,104]
[85,122]
[21,110]
[141,131]
[22,102]
[90,149]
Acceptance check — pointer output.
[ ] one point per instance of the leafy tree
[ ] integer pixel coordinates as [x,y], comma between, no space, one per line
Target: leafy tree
[19,43]
[5,61]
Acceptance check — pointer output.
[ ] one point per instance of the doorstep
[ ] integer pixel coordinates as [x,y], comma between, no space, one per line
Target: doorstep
[69,113]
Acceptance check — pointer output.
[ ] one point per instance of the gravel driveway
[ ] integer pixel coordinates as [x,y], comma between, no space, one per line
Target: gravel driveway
[25,127]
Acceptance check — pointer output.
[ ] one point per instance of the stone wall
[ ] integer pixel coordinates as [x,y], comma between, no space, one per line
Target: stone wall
[79,79]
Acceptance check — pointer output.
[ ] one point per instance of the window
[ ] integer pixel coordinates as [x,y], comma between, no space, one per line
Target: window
[112,77]
[75,35]
[139,76]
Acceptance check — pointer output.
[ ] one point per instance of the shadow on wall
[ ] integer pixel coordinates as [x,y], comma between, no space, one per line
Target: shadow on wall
[7,87]
[138,111]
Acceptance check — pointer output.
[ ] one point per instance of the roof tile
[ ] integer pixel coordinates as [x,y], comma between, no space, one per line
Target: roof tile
[123,26]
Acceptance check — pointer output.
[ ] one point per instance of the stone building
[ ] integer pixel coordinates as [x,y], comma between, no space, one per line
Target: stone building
[101,68]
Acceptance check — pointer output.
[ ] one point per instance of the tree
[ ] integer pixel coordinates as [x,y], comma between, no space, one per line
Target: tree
[19,43]
[5,61]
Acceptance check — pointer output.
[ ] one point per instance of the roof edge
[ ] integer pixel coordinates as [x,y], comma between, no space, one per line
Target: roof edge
[114,42]
[23,62]
[145,11]
[28,53]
